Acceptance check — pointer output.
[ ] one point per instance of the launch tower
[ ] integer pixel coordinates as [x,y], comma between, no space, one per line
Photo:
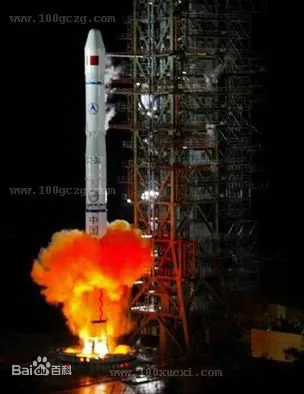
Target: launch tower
[187,94]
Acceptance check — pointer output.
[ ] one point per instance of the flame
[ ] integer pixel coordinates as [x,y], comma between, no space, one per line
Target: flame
[91,279]
[122,349]
[95,347]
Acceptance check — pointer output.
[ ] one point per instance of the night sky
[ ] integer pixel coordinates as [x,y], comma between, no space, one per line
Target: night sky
[43,142]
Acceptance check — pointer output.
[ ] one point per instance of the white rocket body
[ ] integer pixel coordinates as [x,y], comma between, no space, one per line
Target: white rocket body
[96,158]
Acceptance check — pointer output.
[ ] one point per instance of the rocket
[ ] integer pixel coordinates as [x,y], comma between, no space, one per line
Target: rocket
[95,155]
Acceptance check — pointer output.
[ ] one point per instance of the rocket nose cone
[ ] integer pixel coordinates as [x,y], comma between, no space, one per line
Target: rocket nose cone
[94,40]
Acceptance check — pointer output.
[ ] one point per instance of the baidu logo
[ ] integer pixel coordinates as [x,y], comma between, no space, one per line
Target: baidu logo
[41,367]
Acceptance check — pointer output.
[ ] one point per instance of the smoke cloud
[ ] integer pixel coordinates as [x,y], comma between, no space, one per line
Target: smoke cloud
[111,73]
[76,266]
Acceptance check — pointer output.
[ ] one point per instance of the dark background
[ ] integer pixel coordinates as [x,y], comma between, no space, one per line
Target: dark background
[43,141]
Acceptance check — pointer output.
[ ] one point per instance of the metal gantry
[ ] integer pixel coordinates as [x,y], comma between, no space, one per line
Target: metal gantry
[187,89]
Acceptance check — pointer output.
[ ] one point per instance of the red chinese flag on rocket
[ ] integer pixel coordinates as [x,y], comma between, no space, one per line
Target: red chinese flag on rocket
[94,60]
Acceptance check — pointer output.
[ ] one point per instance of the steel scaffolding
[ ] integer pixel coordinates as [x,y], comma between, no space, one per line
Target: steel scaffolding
[187,90]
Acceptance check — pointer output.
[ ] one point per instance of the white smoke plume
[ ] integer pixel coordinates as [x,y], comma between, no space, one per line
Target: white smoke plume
[111,73]
[212,77]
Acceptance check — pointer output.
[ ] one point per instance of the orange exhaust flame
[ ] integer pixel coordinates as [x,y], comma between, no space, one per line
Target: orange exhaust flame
[122,349]
[90,279]
[94,347]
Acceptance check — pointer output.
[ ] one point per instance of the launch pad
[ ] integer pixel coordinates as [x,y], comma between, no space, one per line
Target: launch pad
[104,364]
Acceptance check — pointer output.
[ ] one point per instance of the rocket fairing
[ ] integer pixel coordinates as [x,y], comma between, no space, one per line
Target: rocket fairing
[95,156]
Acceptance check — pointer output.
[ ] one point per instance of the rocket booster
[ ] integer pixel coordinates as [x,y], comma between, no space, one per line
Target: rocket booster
[95,156]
